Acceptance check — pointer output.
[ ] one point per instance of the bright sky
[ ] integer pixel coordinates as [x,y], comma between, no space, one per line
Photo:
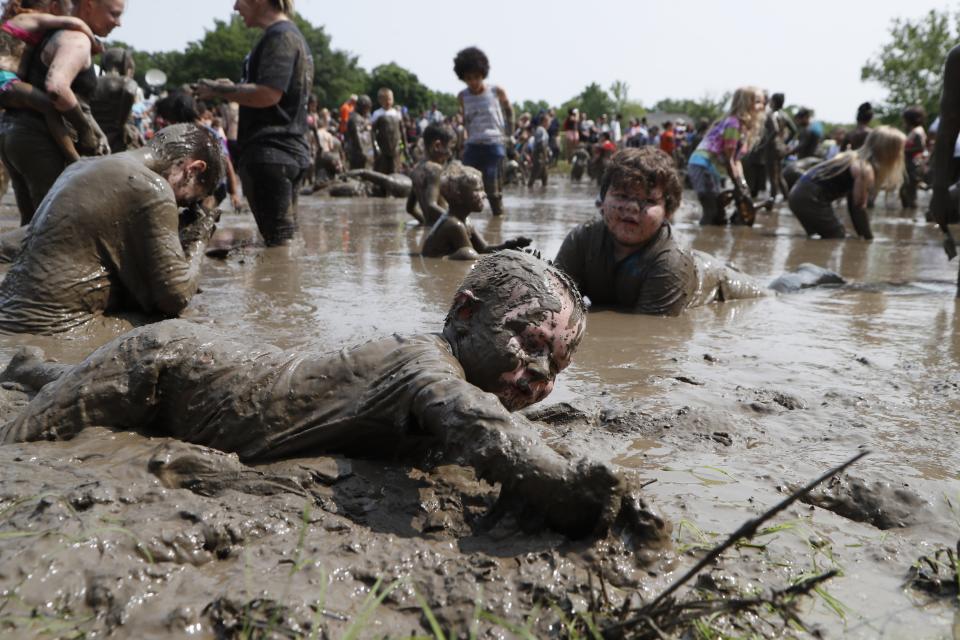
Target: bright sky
[812,50]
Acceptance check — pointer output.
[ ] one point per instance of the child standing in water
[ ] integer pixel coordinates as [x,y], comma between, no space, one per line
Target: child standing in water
[718,154]
[25,22]
[488,117]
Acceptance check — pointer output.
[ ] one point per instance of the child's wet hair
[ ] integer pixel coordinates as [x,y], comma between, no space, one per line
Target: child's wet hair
[457,179]
[437,131]
[648,167]
[471,60]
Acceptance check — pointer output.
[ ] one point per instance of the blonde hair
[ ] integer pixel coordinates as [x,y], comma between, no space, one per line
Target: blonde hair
[883,150]
[283,6]
[743,108]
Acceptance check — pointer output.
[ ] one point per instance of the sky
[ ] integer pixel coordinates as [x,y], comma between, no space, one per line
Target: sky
[812,51]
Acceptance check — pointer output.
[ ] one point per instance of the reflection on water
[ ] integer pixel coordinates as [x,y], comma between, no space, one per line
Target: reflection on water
[875,364]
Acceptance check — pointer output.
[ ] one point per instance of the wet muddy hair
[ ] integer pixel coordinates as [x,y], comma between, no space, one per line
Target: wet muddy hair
[864,113]
[456,179]
[508,279]
[13,8]
[117,59]
[471,60]
[180,141]
[648,167]
[178,107]
[437,131]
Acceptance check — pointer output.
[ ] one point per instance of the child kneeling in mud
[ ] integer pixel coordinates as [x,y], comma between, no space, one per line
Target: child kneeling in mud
[628,258]
[453,234]
[514,325]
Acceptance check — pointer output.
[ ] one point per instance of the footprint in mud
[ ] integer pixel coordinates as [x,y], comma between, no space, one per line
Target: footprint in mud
[883,504]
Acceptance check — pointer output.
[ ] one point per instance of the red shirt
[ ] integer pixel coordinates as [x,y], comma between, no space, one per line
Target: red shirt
[608,146]
[667,142]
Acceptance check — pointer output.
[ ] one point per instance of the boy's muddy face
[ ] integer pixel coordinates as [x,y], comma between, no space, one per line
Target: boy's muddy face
[474,196]
[633,216]
[519,358]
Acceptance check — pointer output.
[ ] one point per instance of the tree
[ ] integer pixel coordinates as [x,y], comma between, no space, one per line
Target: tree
[533,107]
[220,54]
[706,107]
[593,101]
[407,88]
[620,91]
[910,65]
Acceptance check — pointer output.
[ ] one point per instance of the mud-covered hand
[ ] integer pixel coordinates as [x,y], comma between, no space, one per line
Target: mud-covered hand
[579,500]
[207,89]
[197,225]
[517,243]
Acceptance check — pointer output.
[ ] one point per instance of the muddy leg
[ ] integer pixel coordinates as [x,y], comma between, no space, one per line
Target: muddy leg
[272,190]
[115,386]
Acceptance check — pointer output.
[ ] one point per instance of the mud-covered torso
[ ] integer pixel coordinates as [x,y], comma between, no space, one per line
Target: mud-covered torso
[659,279]
[448,235]
[387,133]
[103,240]
[274,404]
[111,106]
[281,60]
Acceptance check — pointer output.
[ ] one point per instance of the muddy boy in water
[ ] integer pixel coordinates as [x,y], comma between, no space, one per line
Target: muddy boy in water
[629,259]
[87,255]
[437,138]
[453,234]
[514,324]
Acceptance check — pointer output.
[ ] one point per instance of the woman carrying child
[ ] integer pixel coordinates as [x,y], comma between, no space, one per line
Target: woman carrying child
[58,72]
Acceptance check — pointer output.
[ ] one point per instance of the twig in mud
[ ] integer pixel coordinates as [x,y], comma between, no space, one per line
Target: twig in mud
[938,573]
[747,530]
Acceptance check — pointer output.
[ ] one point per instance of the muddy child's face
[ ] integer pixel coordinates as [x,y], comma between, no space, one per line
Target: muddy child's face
[634,215]
[515,348]
[541,350]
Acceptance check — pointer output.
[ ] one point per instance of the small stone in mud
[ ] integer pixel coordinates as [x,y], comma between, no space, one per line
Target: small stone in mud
[863,360]
[689,380]
[710,358]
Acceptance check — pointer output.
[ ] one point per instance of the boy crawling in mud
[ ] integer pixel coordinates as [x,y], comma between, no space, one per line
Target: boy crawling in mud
[514,324]
[437,138]
[453,234]
[629,259]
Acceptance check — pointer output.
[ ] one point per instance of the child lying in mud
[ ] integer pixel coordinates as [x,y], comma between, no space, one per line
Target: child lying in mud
[628,258]
[453,235]
[514,324]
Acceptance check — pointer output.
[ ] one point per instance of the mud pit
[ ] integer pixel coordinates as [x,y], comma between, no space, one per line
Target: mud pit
[727,407]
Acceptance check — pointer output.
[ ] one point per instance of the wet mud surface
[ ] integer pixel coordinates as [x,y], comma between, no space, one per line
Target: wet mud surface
[727,407]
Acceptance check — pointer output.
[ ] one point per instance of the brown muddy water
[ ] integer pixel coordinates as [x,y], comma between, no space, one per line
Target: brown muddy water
[726,407]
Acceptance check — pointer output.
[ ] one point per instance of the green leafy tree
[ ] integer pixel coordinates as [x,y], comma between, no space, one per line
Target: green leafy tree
[910,65]
[706,107]
[593,101]
[407,88]
[620,92]
[533,107]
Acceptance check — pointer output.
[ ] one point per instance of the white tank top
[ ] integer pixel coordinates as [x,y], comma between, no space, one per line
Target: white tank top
[482,116]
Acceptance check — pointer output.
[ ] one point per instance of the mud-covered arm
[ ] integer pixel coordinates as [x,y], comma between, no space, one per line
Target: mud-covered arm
[430,202]
[475,429]
[507,109]
[572,257]
[946,137]
[667,284]
[412,206]
[171,256]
